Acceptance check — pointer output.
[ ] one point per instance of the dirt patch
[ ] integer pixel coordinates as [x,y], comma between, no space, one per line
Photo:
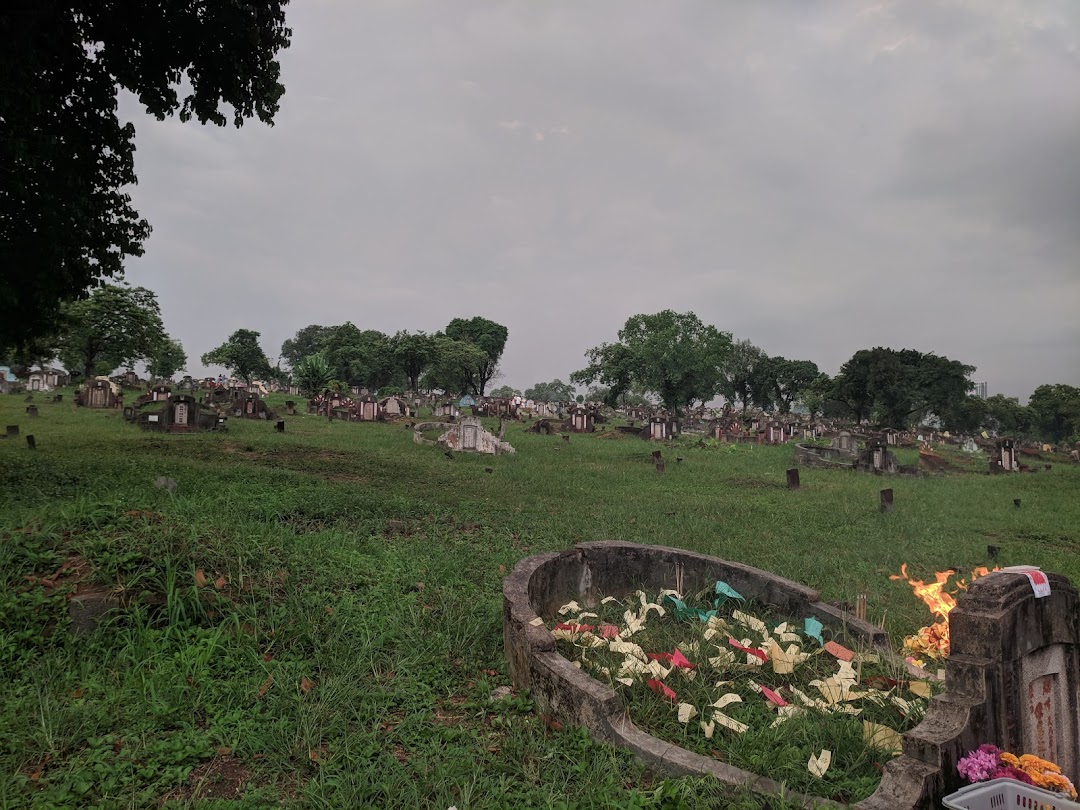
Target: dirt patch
[223,777]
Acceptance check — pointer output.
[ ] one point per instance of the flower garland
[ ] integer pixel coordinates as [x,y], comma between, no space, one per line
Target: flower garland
[990,762]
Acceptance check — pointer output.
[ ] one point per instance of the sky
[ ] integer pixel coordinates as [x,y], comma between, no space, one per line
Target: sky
[816,176]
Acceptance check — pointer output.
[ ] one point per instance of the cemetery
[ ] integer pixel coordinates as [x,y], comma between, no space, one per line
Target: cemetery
[484,573]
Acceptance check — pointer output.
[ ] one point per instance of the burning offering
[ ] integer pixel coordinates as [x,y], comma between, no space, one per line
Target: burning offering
[931,643]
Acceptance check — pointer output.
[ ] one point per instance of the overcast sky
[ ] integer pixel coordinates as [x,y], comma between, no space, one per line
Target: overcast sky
[817,177]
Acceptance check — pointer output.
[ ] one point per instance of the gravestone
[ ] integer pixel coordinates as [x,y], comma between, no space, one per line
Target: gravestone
[12,430]
[1004,458]
[845,443]
[31,410]
[290,407]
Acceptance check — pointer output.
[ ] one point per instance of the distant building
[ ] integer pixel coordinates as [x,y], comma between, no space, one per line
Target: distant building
[980,390]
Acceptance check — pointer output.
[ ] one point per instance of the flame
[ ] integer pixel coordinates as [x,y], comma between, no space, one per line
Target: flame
[932,641]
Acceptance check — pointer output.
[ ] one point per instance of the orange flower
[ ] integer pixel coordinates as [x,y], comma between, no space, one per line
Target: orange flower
[1010,759]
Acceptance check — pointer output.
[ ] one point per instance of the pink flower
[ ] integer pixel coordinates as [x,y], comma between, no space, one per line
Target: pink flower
[979,764]
[1009,772]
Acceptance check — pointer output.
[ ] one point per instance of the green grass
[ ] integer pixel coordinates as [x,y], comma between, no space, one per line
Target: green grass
[349,656]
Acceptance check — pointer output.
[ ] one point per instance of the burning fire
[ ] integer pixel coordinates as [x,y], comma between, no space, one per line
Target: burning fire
[932,641]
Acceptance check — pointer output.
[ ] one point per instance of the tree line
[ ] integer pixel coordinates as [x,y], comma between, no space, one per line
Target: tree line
[681,361]
[667,357]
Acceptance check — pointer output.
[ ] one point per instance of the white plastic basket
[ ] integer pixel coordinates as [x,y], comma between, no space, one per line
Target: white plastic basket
[1006,794]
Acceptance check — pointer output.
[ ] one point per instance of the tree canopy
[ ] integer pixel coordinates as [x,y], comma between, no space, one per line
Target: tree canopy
[673,355]
[413,354]
[241,354]
[115,326]
[308,341]
[1055,410]
[895,386]
[486,335]
[66,223]
[167,358]
[554,391]
[454,366]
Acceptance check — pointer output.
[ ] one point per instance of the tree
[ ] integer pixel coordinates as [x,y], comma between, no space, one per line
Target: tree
[505,392]
[413,355]
[1007,417]
[894,386]
[1056,411]
[816,393]
[115,326]
[741,375]
[241,355]
[167,358]
[487,336]
[360,357]
[673,355]
[308,341]
[554,391]
[65,221]
[453,367]
[787,380]
[312,374]
[21,359]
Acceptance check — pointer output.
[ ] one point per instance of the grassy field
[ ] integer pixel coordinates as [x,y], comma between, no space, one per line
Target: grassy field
[314,618]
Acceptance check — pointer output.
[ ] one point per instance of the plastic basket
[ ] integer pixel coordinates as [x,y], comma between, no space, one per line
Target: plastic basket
[1006,794]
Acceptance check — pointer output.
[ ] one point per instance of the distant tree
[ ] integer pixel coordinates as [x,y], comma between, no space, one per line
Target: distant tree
[673,355]
[308,341]
[454,366]
[786,380]
[742,376]
[413,353]
[628,398]
[489,337]
[504,392]
[167,358]
[312,374]
[115,326]
[23,357]
[360,357]
[1007,417]
[815,394]
[554,391]
[66,221]
[897,386]
[241,355]
[1056,411]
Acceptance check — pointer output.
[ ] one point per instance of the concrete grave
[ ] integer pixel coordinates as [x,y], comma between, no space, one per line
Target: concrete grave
[469,435]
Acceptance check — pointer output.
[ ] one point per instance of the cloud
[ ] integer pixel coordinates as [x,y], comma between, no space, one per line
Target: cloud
[818,178]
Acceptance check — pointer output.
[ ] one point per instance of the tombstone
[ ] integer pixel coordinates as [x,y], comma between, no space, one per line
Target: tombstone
[1018,654]
[890,436]
[98,393]
[31,410]
[367,409]
[1004,459]
[58,398]
[774,433]
[160,392]
[12,430]
[31,442]
[582,420]
[845,443]
[793,478]
[469,434]
[290,407]
[280,426]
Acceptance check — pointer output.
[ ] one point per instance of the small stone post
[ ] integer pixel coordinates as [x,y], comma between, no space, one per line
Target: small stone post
[12,430]
[31,410]
[280,426]
[30,442]
[793,478]
[886,500]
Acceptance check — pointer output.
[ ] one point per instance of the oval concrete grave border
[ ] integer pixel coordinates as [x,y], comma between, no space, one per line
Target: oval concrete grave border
[540,584]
